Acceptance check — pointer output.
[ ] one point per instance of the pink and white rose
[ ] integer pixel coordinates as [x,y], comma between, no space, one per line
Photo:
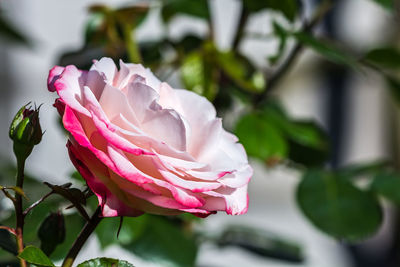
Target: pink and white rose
[143,146]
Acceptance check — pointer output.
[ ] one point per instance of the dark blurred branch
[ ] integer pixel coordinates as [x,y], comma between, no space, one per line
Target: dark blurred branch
[31,207]
[131,44]
[82,238]
[244,15]
[308,27]
[10,33]
[19,228]
[211,30]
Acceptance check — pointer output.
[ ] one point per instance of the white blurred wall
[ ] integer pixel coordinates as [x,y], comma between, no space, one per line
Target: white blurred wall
[56,26]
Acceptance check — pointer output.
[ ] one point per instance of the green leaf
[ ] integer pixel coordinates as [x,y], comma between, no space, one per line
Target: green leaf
[388,4]
[326,49]
[307,142]
[105,262]
[387,57]
[366,168]
[223,101]
[188,43]
[151,52]
[52,232]
[74,195]
[337,207]
[171,8]
[35,256]
[94,29]
[131,15]
[111,32]
[199,75]
[289,8]
[305,132]
[308,156]
[269,134]
[7,242]
[387,184]
[282,35]
[241,71]
[154,243]
[261,138]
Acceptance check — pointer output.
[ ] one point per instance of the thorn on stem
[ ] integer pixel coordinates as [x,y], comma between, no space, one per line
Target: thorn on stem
[121,220]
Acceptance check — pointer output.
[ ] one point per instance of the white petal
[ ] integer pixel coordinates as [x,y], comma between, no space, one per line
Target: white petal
[138,69]
[206,140]
[95,82]
[140,98]
[106,67]
[166,126]
[237,202]
[237,178]
[195,108]
[180,163]
[168,98]
[114,103]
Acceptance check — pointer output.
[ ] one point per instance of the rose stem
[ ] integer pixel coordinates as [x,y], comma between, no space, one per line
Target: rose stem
[82,237]
[19,230]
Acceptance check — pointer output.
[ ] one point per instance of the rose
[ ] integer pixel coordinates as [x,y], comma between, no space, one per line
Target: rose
[142,146]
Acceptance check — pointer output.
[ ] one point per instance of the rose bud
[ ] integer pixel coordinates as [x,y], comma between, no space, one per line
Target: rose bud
[145,147]
[25,131]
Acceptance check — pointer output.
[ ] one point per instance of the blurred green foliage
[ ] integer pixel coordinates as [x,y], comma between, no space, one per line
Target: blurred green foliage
[388,4]
[289,8]
[102,262]
[343,210]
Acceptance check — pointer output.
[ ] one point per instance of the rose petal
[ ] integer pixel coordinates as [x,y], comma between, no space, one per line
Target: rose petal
[95,82]
[111,205]
[140,98]
[69,89]
[238,178]
[193,186]
[128,170]
[151,80]
[54,74]
[208,141]
[166,126]
[107,69]
[108,100]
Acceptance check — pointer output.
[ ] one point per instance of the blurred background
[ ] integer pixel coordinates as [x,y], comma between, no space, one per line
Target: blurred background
[351,106]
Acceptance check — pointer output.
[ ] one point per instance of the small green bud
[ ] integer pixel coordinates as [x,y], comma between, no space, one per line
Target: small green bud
[25,131]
